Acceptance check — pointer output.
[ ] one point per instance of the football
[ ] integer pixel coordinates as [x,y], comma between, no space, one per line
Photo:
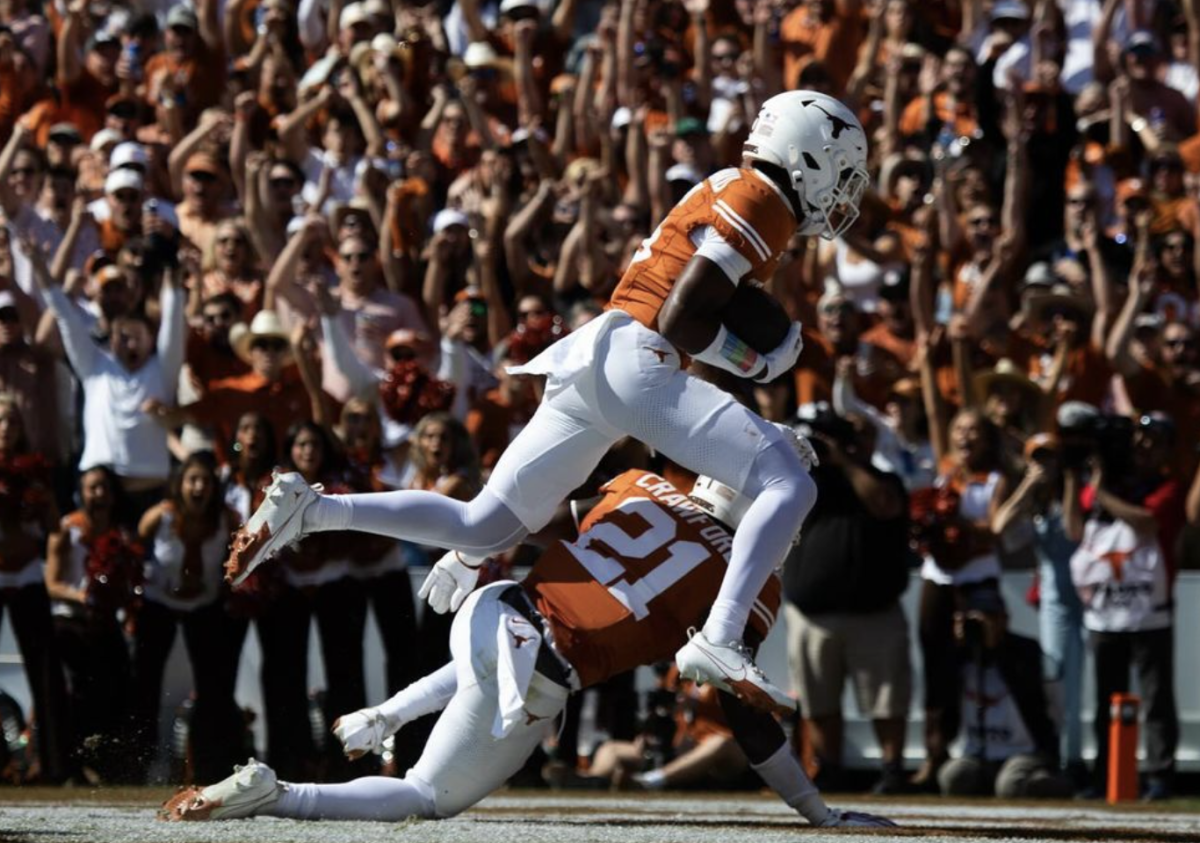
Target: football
[755,316]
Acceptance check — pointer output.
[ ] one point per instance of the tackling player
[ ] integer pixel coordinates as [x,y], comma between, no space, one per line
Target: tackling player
[646,566]
[622,374]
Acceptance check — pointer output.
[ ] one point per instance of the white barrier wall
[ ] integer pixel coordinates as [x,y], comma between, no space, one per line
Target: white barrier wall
[861,750]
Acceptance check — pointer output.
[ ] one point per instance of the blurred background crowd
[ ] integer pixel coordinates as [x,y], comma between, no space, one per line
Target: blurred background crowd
[253,234]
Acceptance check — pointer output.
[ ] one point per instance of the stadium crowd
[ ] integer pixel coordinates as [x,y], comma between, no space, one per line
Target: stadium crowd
[251,234]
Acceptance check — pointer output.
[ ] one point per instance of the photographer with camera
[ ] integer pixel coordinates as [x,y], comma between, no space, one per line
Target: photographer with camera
[1011,745]
[1046,492]
[843,585]
[1131,517]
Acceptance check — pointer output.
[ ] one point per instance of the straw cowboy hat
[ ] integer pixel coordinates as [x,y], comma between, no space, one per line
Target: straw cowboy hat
[1006,372]
[1037,303]
[265,325]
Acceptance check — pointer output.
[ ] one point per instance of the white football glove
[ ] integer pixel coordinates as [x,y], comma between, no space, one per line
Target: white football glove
[804,448]
[361,732]
[449,583]
[837,818]
[784,356]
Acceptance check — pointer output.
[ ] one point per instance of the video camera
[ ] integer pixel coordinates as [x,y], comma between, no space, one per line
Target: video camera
[1107,437]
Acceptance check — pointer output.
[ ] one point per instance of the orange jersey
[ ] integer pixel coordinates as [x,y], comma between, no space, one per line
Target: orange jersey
[647,566]
[744,208]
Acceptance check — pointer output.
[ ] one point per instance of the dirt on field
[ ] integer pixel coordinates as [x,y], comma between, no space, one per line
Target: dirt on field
[126,815]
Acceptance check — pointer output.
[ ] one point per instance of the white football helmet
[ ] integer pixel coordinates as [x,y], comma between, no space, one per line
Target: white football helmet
[821,145]
[722,502]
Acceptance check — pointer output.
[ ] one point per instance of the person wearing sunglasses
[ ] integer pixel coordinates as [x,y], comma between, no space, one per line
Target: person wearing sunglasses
[1169,383]
[283,383]
[203,206]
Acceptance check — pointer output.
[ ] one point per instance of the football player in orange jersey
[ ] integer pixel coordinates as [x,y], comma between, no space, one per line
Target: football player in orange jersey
[646,566]
[622,375]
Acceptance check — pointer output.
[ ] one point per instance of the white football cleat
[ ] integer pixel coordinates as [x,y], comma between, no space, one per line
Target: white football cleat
[731,668]
[250,789]
[276,523]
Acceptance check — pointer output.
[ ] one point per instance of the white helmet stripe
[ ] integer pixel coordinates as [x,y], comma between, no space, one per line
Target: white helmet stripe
[731,216]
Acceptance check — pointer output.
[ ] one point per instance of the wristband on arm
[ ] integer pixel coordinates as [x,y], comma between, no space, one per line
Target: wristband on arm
[728,352]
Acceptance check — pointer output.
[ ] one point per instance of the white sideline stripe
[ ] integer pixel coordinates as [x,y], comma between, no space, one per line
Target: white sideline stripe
[741,225]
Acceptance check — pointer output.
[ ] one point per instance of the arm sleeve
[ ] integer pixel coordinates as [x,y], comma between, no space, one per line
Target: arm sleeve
[710,244]
[341,356]
[172,336]
[77,341]
[425,696]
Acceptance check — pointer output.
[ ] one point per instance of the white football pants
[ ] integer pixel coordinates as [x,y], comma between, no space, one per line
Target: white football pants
[462,762]
[632,386]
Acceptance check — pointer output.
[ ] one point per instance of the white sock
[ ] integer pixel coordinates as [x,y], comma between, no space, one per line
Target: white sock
[483,525]
[651,779]
[782,499]
[726,621]
[328,512]
[425,696]
[784,775]
[368,798]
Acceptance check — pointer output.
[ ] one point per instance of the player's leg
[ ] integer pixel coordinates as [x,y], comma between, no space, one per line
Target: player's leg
[704,429]
[551,456]
[463,761]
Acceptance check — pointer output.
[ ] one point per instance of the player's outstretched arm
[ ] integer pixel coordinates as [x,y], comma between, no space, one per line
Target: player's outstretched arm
[762,739]
[365,730]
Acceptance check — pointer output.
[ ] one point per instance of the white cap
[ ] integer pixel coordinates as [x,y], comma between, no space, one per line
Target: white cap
[103,138]
[448,217]
[507,6]
[128,154]
[352,13]
[1010,9]
[384,43]
[479,54]
[684,172]
[7,300]
[622,117]
[123,179]
[723,503]
[377,7]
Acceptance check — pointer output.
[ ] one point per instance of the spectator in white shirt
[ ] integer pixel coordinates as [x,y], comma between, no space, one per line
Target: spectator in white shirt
[118,381]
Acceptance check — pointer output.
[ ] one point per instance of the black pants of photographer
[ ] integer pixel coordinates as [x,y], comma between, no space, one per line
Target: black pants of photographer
[283,635]
[214,645]
[29,614]
[340,609]
[391,595]
[97,664]
[1152,654]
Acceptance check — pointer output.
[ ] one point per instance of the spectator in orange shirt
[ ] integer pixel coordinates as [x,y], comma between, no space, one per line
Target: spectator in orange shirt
[952,101]
[283,392]
[194,57]
[210,357]
[828,31]
[85,83]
